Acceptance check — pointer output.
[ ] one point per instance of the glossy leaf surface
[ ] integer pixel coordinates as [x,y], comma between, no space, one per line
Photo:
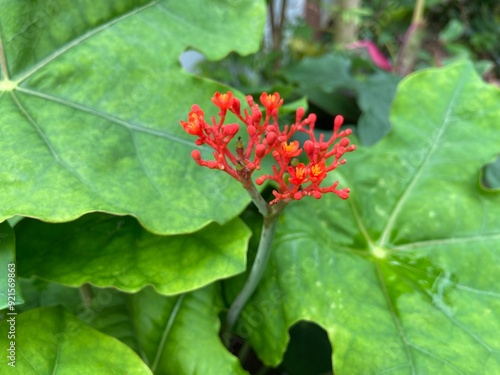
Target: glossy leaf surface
[90,101]
[173,335]
[50,340]
[404,275]
[116,251]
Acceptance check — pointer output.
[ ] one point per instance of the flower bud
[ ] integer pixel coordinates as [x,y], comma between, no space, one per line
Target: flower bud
[344,193]
[337,122]
[309,147]
[344,142]
[260,180]
[251,130]
[256,115]
[311,119]
[196,154]
[235,108]
[230,129]
[299,114]
[271,138]
[260,150]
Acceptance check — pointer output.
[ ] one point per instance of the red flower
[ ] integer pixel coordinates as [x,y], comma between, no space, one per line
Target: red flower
[290,150]
[194,124]
[317,172]
[271,101]
[298,175]
[223,101]
[294,180]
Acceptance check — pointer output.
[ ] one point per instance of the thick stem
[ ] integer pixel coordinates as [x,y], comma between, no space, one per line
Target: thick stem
[418,12]
[258,267]
[257,199]
[346,25]
[408,52]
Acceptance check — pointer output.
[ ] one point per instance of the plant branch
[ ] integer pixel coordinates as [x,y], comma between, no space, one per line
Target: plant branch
[418,12]
[258,267]
[410,47]
[257,199]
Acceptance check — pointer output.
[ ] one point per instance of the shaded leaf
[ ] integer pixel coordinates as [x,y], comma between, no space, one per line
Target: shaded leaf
[403,276]
[492,175]
[115,251]
[321,78]
[50,340]
[174,335]
[375,95]
[90,101]
[179,335]
[10,293]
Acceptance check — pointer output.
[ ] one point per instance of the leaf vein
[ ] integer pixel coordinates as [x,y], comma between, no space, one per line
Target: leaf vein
[115,120]
[79,40]
[447,363]
[409,188]
[166,332]
[397,323]
[447,241]
[51,148]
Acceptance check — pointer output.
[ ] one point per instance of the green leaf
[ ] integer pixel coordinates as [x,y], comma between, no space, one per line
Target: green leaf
[404,275]
[375,95]
[10,292]
[50,340]
[179,335]
[321,78]
[173,335]
[90,101]
[492,174]
[115,251]
[453,30]
[326,73]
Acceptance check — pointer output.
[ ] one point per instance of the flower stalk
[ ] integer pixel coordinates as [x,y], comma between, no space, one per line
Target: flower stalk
[293,178]
[258,267]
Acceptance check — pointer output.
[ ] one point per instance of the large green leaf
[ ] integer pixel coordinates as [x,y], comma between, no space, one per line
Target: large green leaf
[50,340]
[173,335]
[91,96]
[116,251]
[404,275]
[10,293]
[179,335]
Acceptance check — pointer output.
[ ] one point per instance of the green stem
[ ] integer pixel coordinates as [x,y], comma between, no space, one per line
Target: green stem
[258,267]
[408,52]
[86,295]
[418,12]
[257,199]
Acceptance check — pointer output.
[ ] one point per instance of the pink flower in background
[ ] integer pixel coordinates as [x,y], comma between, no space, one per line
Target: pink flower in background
[375,54]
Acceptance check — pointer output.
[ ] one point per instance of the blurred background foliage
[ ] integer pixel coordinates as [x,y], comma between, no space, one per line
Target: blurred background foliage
[302,54]
[307,55]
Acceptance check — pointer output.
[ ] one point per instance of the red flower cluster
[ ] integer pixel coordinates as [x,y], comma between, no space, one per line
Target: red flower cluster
[294,179]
